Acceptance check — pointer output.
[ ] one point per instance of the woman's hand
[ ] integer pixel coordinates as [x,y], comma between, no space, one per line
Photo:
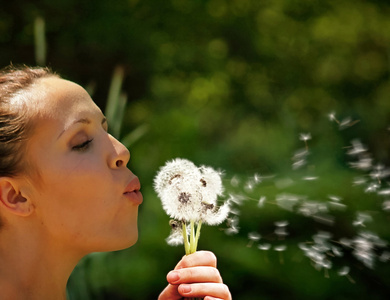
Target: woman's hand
[196,275]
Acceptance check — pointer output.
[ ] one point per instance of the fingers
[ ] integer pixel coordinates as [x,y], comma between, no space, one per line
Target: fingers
[208,290]
[194,274]
[200,258]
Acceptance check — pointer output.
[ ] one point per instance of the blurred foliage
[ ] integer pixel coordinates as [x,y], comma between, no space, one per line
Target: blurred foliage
[230,84]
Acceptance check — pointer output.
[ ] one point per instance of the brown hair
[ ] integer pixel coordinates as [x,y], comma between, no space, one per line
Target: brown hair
[14,123]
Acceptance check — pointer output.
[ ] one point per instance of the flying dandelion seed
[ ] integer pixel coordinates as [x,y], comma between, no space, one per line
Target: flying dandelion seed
[310,178]
[332,117]
[305,137]
[347,122]
[196,192]
[264,247]
[362,219]
[386,205]
[261,201]
[253,237]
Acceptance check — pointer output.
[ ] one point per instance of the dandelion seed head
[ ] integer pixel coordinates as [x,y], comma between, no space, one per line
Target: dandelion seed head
[176,237]
[184,197]
[176,172]
[190,193]
[211,184]
[217,215]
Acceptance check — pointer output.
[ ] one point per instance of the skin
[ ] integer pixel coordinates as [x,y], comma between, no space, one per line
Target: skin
[71,202]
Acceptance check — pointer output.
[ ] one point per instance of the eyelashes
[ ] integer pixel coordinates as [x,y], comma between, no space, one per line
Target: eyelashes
[83,146]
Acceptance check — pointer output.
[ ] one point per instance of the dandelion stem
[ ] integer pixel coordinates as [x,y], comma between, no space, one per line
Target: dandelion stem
[185,238]
[197,234]
[192,238]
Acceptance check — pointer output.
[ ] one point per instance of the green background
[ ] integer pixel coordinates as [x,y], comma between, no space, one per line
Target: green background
[231,84]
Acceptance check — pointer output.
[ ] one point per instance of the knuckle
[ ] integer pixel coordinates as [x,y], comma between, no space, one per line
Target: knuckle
[211,257]
[217,275]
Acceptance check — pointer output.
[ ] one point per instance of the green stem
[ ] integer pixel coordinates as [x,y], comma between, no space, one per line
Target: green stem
[185,239]
[192,238]
[198,234]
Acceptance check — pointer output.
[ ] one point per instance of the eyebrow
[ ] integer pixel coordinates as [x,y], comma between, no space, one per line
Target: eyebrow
[82,121]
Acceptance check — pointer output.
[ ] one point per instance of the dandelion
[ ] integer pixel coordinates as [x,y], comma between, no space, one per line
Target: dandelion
[189,196]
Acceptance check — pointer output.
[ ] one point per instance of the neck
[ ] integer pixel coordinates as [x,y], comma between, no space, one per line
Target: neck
[31,267]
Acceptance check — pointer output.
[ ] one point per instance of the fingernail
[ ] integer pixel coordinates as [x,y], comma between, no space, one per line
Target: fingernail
[185,288]
[173,276]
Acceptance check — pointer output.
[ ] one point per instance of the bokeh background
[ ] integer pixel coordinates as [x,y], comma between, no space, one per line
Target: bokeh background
[233,85]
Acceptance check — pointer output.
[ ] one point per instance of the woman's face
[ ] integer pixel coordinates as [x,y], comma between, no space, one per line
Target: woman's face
[84,196]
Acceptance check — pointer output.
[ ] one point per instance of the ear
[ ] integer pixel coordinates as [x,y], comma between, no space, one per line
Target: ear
[11,198]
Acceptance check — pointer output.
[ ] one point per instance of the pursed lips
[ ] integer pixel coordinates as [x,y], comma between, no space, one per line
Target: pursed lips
[132,191]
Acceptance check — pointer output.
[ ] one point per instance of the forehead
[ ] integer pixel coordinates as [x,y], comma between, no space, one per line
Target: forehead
[54,104]
[58,98]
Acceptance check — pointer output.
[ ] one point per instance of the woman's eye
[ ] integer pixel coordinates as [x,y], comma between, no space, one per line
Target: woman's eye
[83,146]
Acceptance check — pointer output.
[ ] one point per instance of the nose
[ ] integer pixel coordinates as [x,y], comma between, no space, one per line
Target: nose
[120,155]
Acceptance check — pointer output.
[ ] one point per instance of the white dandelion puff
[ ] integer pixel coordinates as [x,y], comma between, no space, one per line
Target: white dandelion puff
[189,195]
[211,185]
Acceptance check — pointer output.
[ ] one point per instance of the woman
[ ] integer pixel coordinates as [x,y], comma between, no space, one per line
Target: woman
[65,191]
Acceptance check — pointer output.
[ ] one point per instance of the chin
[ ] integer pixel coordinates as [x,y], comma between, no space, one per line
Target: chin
[127,242]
